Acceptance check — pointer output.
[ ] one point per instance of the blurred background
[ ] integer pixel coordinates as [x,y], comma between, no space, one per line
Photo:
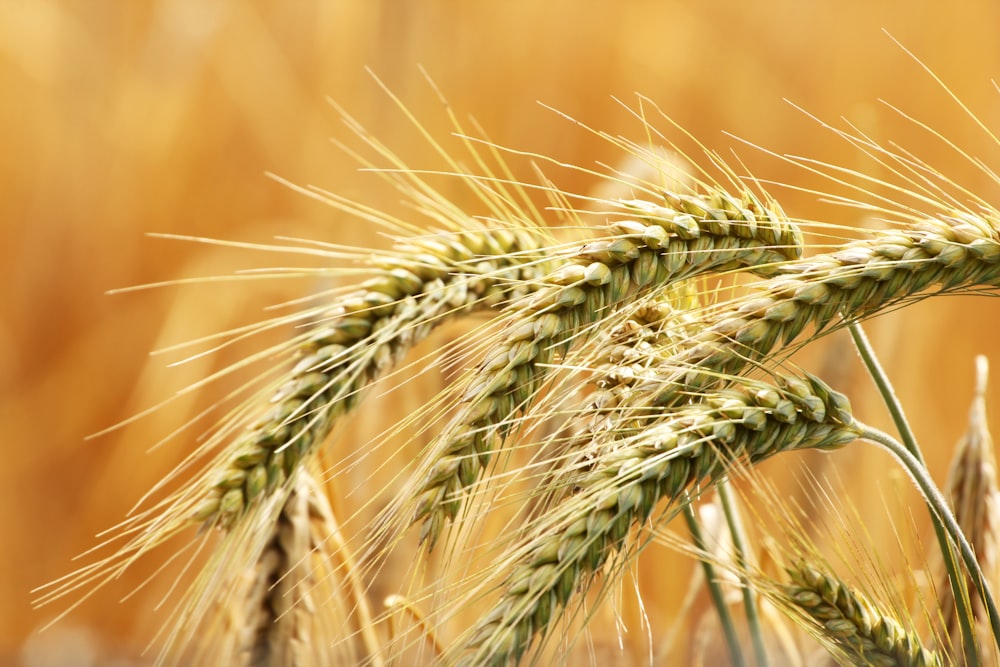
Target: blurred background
[119,119]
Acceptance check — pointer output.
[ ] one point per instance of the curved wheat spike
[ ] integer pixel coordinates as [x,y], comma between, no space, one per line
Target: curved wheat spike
[845,621]
[360,338]
[662,245]
[860,279]
[445,263]
[577,537]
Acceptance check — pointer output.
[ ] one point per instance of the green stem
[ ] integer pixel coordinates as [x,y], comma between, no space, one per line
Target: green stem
[739,549]
[939,507]
[963,605]
[732,639]
[885,388]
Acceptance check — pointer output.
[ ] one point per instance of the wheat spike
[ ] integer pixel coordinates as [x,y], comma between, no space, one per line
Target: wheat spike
[858,280]
[856,632]
[971,490]
[288,607]
[623,485]
[360,338]
[665,244]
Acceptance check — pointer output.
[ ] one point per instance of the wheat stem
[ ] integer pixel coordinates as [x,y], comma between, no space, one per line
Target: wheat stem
[963,608]
[718,598]
[939,507]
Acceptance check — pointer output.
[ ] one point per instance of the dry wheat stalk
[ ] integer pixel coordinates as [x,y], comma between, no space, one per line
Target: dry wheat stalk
[856,632]
[624,483]
[971,490]
[665,244]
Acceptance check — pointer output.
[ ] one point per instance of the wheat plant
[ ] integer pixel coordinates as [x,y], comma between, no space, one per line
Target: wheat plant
[626,354]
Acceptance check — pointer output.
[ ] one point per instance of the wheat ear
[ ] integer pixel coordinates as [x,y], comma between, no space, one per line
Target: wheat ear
[422,282]
[971,491]
[578,536]
[285,609]
[665,244]
[362,336]
[856,632]
[858,280]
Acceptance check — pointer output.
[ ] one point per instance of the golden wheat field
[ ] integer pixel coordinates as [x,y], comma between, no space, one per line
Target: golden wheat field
[122,120]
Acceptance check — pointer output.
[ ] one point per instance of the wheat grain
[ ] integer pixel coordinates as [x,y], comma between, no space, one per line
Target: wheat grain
[856,631]
[621,487]
[667,243]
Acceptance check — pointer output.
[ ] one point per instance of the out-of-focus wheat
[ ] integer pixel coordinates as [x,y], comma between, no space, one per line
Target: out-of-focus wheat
[971,490]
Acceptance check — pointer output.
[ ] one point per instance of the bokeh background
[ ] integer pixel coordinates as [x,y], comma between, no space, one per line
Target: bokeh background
[118,119]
